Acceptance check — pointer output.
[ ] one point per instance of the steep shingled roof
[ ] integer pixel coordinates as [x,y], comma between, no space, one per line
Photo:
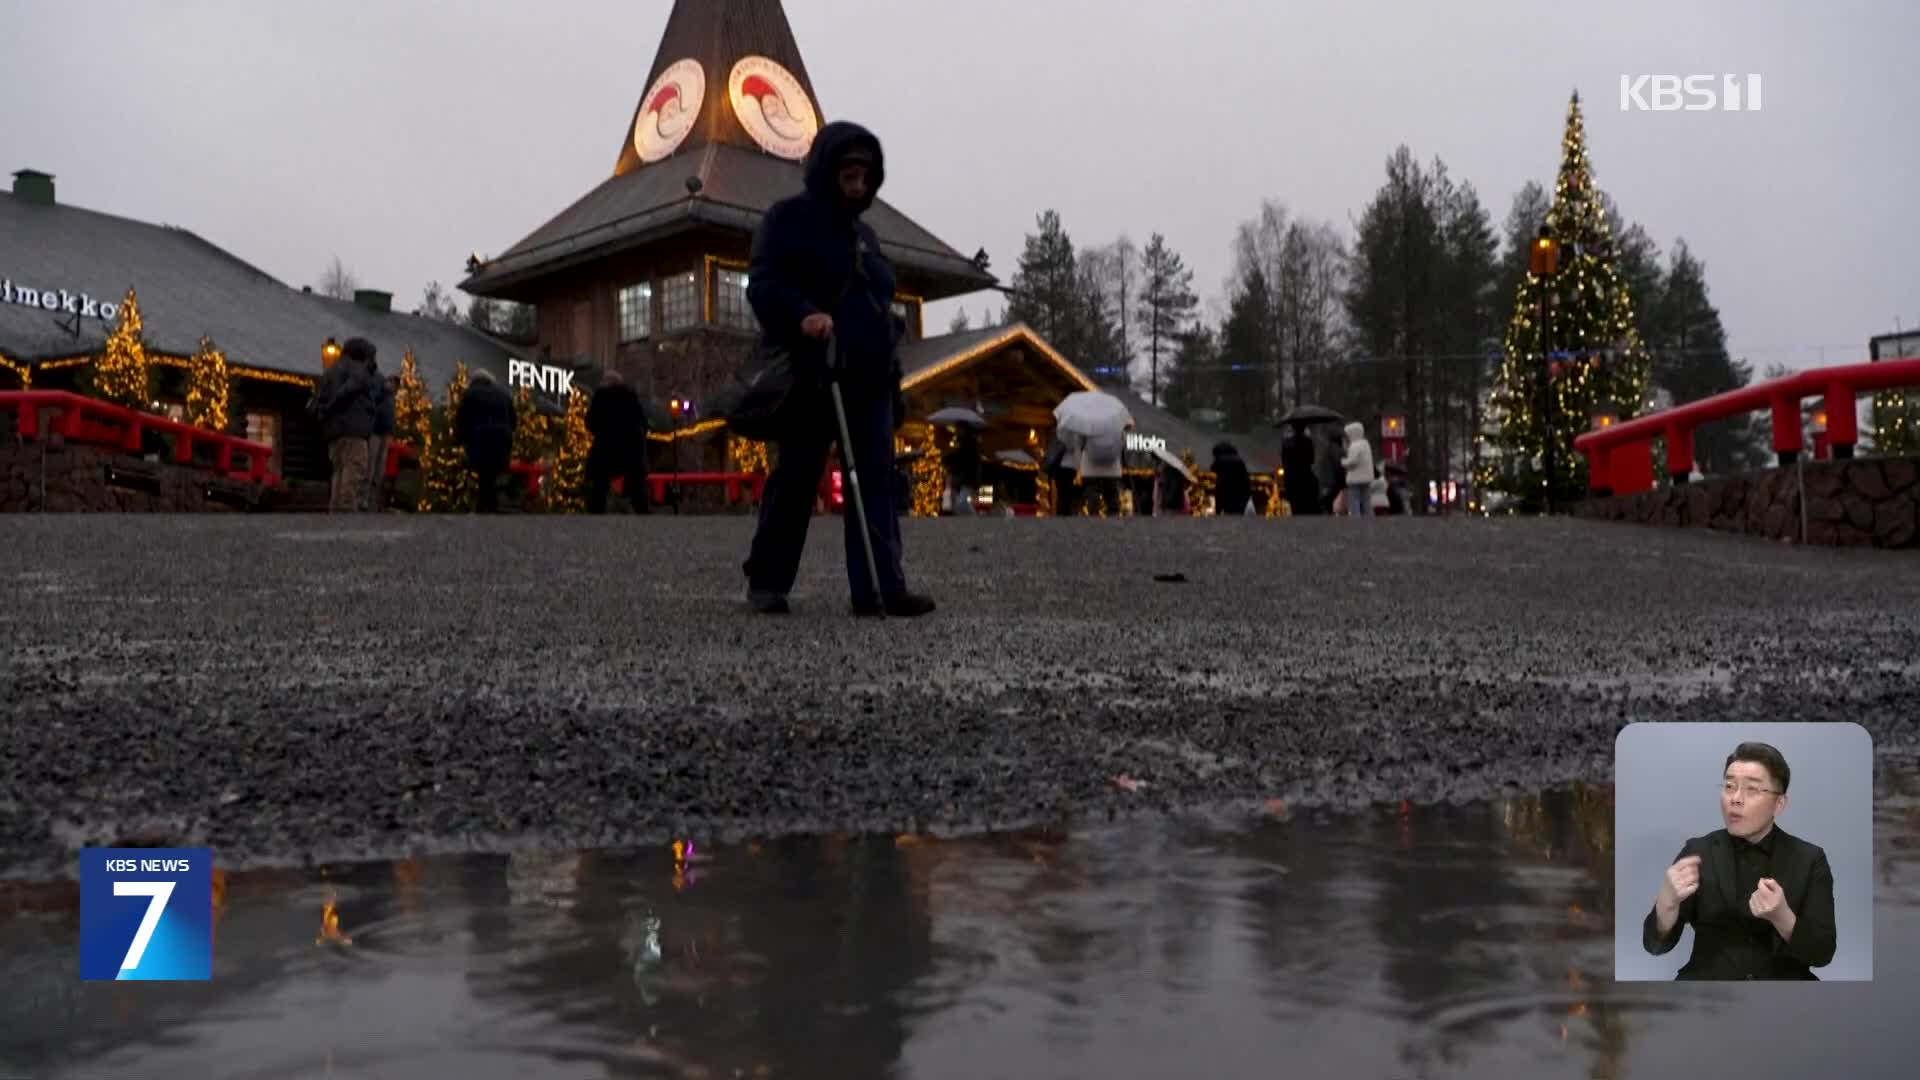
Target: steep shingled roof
[189,287]
[646,201]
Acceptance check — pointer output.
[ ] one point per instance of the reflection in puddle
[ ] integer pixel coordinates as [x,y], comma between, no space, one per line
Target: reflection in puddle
[1403,942]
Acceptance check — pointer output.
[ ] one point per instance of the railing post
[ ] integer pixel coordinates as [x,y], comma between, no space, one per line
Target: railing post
[1599,478]
[1679,451]
[1843,420]
[28,423]
[135,429]
[224,462]
[1786,427]
[183,446]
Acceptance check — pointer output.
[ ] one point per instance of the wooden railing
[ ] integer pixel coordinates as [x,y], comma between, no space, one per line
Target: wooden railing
[1620,457]
[532,475]
[94,422]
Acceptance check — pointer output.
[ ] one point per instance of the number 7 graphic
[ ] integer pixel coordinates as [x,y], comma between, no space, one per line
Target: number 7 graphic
[158,892]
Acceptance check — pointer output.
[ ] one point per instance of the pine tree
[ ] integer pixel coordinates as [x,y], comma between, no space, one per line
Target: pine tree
[531,438]
[447,486]
[1167,303]
[569,476]
[1587,356]
[123,374]
[1192,375]
[1046,285]
[208,387]
[1244,341]
[1690,362]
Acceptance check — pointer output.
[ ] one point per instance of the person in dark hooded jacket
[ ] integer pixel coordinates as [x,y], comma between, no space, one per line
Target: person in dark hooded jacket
[1232,487]
[347,405]
[1297,464]
[484,425]
[817,276]
[618,424]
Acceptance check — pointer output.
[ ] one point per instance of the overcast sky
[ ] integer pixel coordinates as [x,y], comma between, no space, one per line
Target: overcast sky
[403,134]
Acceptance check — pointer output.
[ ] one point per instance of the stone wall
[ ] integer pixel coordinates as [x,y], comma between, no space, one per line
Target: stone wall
[1864,502]
[87,478]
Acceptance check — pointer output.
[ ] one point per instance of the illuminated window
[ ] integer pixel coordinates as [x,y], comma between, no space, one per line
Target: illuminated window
[263,428]
[733,308]
[680,302]
[636,312]
[173,410]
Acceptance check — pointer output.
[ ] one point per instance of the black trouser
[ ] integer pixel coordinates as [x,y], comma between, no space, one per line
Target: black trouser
[600,473]
[1103,490]
[1066,497]
[787,506]
[488,455]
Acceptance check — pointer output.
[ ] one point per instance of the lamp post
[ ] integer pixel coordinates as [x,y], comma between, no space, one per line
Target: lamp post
[681,410]
[1543,262]
[1819,425]
[329,353]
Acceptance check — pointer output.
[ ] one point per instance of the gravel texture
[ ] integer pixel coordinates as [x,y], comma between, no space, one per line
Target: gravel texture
[293,688]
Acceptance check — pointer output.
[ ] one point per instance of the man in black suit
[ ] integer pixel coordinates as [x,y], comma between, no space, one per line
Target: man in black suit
[1760,901]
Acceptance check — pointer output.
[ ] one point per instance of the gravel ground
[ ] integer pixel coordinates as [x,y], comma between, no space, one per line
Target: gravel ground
[292,688]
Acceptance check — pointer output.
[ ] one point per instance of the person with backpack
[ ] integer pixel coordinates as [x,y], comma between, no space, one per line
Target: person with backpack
[347,406]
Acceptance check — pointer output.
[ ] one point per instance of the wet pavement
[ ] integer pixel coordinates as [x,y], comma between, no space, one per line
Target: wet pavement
[286,689]
[1398,942]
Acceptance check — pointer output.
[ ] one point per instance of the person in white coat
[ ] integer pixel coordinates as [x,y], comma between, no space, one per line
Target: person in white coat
[1358,461]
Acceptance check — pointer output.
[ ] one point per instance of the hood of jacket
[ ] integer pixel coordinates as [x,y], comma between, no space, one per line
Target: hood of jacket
[1225,450]
[1355,431]
[823,163]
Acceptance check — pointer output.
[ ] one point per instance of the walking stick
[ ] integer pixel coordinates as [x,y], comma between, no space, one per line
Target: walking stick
[849,461]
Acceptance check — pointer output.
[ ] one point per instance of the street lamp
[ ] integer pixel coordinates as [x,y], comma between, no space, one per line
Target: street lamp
[329,353]
[1605,419]
[1819,426]
[1543,261]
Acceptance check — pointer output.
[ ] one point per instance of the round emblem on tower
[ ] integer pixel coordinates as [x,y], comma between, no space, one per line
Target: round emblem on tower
[668,112]
[772,107]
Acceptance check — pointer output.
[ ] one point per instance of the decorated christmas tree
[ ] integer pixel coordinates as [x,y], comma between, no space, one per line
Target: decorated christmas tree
[208,387]
[447,486]
[1584,358]
[412,407]
[532,439]
[566,488]
[123,374]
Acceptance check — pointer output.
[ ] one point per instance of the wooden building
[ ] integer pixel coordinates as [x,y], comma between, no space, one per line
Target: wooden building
[646,273]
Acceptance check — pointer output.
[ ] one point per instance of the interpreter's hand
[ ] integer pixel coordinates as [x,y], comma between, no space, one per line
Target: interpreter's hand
[1768,901]
[817,325]
[1681,881]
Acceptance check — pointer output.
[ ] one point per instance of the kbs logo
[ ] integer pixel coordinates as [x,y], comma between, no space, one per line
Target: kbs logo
[1689,93]
[146,913]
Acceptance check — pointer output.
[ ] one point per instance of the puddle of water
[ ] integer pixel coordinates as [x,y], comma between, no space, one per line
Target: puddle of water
[1465,941]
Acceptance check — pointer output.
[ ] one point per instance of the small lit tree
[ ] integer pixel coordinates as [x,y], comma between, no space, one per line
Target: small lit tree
[447,485]
[123,374]
[569,478]
[208,387]
[412,407]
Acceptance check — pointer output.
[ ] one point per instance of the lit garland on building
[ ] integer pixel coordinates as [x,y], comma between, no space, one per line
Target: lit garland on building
[208,387]
[123,374]
[569,477]
[1590,319]
[446,485]
[23,372]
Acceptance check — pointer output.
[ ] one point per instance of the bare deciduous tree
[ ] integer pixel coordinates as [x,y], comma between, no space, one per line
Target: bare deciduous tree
[337,281]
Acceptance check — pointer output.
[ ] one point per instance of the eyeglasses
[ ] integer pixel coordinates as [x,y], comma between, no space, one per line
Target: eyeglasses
[1751,791]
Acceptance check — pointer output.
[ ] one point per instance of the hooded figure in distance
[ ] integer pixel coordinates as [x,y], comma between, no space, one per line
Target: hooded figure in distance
[1232,486]
[817,280]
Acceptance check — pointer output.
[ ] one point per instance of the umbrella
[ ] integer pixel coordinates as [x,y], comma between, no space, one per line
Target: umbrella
[958,415]
[1090,412]
[1014,457]
[1302,415]
[1166,455]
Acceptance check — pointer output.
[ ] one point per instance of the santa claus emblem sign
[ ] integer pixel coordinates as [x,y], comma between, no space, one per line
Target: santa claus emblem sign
[772,107]
[668,112]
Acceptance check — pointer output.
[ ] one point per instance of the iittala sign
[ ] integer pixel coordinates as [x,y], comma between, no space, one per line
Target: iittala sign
[60,301]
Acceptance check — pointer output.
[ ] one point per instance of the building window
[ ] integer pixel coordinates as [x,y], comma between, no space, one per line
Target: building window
[733,307]
[909,315]
[264,428]
[636,312]
[680,302]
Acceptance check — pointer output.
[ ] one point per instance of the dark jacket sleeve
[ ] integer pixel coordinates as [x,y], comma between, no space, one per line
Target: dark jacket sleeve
[463,418]
[1689,909]
[383,423]
[777,298]
[1814,934]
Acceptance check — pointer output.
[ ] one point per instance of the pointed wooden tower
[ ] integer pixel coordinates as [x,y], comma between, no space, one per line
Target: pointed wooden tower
[646,273]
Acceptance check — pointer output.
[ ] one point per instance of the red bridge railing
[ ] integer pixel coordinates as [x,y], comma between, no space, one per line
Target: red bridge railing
[101,423]
[1620,458]
[533,474]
